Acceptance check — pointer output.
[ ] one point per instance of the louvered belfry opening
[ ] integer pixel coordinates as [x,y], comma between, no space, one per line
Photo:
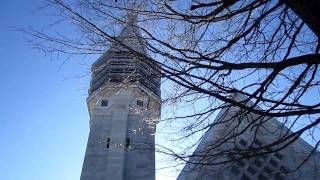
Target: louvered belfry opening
[126,62]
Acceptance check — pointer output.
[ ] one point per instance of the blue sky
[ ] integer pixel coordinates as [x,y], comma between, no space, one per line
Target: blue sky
[43,113]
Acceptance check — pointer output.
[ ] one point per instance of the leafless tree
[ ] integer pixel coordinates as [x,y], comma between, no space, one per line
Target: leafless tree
[267,51]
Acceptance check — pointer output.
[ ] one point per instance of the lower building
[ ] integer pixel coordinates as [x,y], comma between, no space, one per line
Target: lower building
[222,154]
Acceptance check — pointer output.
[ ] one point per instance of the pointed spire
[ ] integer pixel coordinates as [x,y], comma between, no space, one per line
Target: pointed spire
[129,37]
[130,29]
[132,17]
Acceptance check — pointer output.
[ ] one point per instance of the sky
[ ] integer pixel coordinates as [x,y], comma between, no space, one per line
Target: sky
[43,112]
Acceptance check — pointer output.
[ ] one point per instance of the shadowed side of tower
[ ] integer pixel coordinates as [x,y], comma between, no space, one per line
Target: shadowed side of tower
[124,106]
[294,161]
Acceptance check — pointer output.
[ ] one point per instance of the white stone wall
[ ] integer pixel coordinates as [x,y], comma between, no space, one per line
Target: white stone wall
[120,120]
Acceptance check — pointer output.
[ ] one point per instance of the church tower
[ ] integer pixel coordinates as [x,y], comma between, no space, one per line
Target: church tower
[124,106]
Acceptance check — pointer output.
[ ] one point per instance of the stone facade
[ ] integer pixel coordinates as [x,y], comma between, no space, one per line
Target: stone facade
[124,107]
[278,165]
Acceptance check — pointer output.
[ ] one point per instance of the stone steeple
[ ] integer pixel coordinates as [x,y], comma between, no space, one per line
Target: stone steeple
[122,62]
[124,106]
[129,39]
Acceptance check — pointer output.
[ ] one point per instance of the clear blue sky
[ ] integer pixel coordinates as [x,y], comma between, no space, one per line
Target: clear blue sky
[43,114]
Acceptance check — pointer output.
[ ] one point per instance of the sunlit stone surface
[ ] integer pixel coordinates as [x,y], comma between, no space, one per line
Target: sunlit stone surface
[124,107]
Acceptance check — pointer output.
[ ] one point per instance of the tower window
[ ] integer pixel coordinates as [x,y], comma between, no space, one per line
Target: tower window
[245,177]
[243,143]
[108,143]
[115,80]
[284,170]
[241,163]
[277,155]
[140,103]
[257,162]
[267,170]
[127,143]
[234,170]
[104,102]
[258,143]
[273,163]
[262,177]
[278,177]
[251,170]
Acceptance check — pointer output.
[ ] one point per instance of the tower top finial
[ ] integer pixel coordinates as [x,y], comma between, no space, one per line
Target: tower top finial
[132,16]
[128,39]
